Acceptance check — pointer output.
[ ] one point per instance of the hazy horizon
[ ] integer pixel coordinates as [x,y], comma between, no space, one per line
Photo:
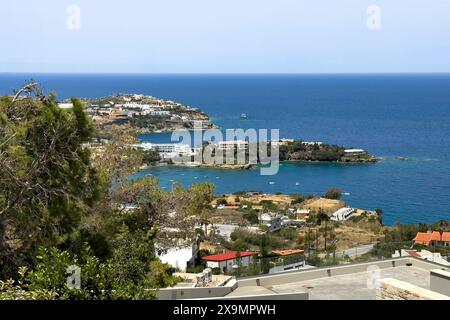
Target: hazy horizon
[226,74]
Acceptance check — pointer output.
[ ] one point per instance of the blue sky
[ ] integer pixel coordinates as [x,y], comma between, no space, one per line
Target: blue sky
[225,36]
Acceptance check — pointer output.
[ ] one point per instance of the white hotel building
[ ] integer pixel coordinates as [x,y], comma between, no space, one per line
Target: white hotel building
[343,214]
[233,144]
[169,150]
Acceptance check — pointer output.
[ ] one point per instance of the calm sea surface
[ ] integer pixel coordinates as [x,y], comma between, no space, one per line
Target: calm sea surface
[389,115]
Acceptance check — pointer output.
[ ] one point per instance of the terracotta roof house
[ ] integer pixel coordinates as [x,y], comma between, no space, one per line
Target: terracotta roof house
[432,238]
[446,238]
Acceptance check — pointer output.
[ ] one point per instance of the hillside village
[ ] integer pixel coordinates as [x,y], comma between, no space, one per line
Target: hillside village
[250,233]
[143,113]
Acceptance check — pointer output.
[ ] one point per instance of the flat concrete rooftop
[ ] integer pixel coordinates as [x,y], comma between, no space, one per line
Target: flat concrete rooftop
[355,286]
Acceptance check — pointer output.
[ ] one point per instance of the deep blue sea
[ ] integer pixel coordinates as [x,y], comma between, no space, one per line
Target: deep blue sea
[389,115]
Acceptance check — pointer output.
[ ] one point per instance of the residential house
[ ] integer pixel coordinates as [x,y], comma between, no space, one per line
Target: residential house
[181,258]
[302,214]
[229,260]
[432,238]
[273,222]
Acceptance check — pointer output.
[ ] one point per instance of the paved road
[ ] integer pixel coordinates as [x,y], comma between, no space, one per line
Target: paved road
[352,252]
[225,230]
[357,251]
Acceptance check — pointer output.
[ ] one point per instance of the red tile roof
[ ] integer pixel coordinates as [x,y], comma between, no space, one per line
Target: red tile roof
[227,256]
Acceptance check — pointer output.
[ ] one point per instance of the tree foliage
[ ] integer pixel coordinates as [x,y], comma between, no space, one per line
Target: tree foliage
[46,180]
[333,193]
[68,199]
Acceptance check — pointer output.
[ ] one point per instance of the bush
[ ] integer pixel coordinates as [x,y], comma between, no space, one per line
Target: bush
[288,234]
[204,252]
[298,199]
[337,224]
[196,269]
[215,270]
[333,193]
[251,217]
[150,156]
[222,202]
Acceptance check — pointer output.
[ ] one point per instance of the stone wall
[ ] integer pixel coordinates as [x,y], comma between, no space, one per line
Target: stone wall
[393,289]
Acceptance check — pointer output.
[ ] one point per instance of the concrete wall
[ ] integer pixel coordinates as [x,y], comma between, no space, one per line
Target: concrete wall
[426,264]
[440,281]
[393,289]
[287,267]
[275,296]
[297,276]
[213,264]
[196,293]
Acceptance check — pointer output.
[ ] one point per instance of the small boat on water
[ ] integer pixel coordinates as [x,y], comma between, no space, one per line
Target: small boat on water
[346,193]
[297,183]
[400,158]
[217,177]
[271,182]
[195,177]
[243,116]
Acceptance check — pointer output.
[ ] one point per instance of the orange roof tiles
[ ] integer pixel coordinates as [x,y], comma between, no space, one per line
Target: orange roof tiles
[435,236]
[426,237]
[446,236]
[287,252]
[422,238]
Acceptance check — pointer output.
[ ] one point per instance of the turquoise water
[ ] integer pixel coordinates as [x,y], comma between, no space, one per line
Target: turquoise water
[389,115]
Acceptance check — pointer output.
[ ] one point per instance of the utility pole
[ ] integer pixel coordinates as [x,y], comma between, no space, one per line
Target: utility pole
[317,245]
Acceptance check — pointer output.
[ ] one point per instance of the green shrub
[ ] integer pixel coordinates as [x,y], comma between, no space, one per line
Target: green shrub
[215,270]
[333,193]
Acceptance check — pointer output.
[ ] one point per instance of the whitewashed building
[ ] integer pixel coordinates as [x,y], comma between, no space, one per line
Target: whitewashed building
[180,258]
[342,214]
[229,260]
[233,144]
[272,222]
[169,150]
[354,152]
